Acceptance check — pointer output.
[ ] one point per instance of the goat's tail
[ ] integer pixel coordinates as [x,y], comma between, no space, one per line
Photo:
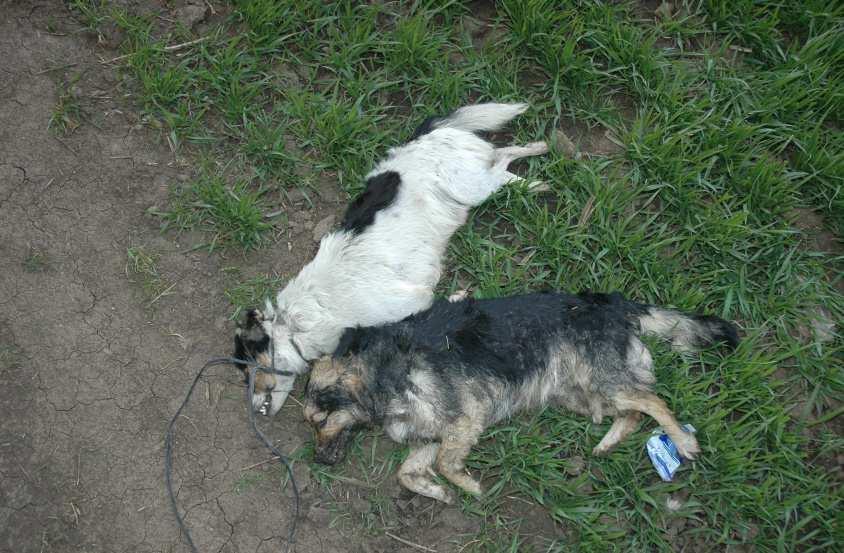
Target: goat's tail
[480,117]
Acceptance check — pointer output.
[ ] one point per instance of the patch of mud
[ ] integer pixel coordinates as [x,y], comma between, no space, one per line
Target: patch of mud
[817,236]
[576,140]
[91,371]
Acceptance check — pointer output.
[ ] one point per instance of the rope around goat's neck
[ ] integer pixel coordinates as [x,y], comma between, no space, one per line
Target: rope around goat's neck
[250,390]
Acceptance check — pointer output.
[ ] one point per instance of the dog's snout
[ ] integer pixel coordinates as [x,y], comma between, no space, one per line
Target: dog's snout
[326,457]
[331,449]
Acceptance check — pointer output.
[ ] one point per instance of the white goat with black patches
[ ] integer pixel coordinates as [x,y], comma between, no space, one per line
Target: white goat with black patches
[384,262]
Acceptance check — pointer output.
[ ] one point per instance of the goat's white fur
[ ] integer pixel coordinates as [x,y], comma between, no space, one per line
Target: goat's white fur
[389,270]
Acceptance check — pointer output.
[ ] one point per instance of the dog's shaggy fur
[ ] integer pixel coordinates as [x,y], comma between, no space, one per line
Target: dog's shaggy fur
[442,376]
[384,261]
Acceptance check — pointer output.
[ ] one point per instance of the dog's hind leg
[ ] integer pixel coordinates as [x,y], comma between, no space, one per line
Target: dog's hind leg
[478,184]
[415,473]
[650,404]
[622,426]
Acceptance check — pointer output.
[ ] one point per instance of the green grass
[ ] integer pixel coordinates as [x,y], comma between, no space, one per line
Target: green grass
[252,292]
[142,268]
[67,113]
[10,357]
[91,14]
[729,116]
[36,261]
[230,214]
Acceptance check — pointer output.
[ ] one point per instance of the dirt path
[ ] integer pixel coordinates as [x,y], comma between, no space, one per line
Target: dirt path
[90,374]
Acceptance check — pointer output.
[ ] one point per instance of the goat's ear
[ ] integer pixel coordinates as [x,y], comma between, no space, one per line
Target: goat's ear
[239,350]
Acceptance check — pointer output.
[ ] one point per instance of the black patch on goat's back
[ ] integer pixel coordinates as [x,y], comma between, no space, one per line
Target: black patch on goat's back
[428,125]
[380,192]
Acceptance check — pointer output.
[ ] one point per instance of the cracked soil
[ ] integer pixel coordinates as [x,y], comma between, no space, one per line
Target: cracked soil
[90,373]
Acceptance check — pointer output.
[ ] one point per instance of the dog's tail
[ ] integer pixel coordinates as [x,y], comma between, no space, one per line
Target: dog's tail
[480,117]
[687,331]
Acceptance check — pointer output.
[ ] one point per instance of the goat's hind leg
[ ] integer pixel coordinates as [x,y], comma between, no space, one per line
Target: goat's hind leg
[505,156]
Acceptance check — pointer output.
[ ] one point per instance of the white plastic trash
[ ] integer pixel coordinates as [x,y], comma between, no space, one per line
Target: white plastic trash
[663,452]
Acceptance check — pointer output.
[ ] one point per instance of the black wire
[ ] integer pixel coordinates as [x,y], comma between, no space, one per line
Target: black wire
[250,390]
[284,460]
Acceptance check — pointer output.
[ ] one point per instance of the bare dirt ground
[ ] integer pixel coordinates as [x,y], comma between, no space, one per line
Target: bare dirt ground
[90,373]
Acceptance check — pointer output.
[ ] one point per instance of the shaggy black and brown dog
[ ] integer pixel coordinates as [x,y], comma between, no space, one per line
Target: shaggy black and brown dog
[442,376]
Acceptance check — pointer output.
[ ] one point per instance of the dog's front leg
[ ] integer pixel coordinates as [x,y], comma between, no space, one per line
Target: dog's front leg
[415,473]
[451,459]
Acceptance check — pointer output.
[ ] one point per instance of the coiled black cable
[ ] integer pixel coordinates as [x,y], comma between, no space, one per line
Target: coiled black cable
[250,390]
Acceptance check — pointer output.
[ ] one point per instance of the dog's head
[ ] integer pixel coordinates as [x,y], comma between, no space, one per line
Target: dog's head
[334,407]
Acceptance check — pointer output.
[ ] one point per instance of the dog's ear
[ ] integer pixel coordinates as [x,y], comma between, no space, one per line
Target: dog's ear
[359,393]
[324,363]
[325,372]
[253,317]
[352,383]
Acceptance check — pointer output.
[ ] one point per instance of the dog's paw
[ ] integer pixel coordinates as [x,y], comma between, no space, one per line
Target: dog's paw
[448,497]
[458,296]
[687,446]
[423,485]
[438,492]
[473,487]
[601,449]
